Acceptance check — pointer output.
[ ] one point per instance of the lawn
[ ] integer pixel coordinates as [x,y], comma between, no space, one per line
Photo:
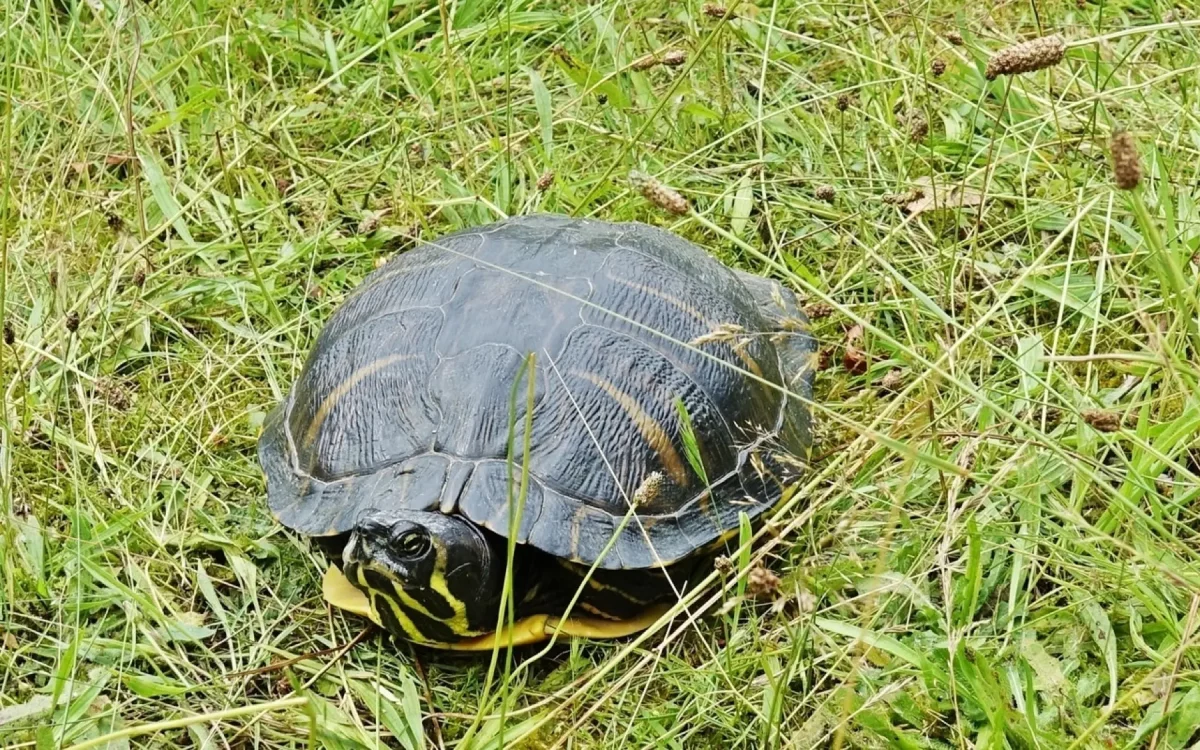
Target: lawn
[997,544]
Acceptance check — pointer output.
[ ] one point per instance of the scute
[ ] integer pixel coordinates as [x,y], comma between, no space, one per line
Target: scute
[406,397]
[609,419]
[367,401]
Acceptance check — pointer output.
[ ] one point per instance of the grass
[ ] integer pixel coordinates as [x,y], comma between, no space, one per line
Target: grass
[998,548]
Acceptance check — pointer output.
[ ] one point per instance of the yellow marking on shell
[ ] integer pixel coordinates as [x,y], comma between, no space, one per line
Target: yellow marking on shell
[747,360]
[705,504]
[330,401]
[652,432]
[576,523]
[723,538]
[669,299]
[437,581]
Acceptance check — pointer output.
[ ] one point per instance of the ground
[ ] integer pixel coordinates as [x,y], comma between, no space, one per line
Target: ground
[995,546]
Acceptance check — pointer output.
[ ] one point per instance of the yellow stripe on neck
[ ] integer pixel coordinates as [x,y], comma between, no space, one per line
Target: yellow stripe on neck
[406,623]
[459,623]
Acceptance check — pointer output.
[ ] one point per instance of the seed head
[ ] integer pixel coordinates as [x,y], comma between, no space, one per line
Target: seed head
[918,126]
[545,181]
[966,459]
[712,10]
[1026,57]
[139,277]
[72,321]
[954,38]
[843,102]
[115,393]
[651,489]
[658,193]
[671,58]
[825,193]
[1104,421]
[1127,167]
[674,58]
[903,199]
[893,381]
[115,223]
[644,63]
[9,334]
[818,310]
[938,67]
[762,584]
[371,220]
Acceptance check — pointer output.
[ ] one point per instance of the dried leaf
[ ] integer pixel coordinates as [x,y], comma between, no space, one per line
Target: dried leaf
[1096,619]
[854,336]
[186,629]
[371,220]
[762,584]
[944,196]
[854,359]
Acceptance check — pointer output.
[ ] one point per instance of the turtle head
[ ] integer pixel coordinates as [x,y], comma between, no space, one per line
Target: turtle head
[429,577]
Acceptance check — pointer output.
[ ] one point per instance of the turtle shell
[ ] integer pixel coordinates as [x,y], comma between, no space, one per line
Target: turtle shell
[417,390]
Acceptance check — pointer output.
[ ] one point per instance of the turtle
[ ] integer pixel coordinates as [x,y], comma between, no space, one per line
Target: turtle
[538,412]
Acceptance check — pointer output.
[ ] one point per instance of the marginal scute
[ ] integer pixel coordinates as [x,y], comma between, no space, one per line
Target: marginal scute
[408,397]
[484,499]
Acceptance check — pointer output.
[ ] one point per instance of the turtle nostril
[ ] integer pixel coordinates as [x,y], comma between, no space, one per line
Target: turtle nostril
[356,549]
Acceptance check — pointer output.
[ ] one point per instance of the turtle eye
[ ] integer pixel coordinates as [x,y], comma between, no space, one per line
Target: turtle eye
[413,544]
